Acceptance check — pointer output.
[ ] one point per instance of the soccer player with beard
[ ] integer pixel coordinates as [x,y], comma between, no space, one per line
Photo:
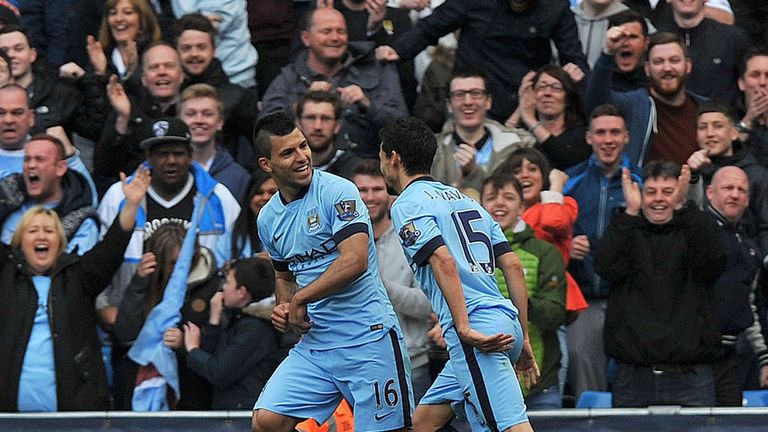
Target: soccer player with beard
[318,116]
[317,231]
[662,118]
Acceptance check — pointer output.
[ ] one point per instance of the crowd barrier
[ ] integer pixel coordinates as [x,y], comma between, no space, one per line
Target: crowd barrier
[592,420]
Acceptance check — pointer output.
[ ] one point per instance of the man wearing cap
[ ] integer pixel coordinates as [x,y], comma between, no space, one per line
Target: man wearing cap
[177,181]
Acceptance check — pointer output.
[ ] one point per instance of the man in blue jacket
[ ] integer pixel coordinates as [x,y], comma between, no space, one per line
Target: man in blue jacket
[596,185]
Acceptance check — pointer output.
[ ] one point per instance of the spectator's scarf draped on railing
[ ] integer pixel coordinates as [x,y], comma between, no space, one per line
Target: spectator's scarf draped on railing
[158,367]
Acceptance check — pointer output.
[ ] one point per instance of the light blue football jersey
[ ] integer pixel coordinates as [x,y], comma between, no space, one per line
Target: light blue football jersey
[301,236]
[429,214]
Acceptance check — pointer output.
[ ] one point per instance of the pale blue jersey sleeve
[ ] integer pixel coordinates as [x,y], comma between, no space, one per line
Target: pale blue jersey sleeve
[344,206]
[418,231]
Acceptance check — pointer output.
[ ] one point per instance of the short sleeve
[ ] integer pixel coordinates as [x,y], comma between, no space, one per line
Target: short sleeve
[418,232]
[347,211]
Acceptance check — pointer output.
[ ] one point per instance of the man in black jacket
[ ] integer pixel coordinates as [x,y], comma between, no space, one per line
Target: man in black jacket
[505,39]
[736,290]
[662,257]
[77,109]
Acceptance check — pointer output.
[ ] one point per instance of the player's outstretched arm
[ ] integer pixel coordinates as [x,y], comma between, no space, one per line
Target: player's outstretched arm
[350,265]
[447,276]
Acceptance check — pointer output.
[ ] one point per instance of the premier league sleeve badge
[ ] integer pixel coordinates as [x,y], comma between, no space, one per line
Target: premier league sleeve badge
[346,210]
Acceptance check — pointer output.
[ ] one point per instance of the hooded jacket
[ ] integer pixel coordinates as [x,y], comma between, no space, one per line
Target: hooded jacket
[592,29]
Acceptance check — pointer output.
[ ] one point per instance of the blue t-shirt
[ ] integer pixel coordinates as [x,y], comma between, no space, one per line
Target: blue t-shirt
[301,237]
[37,384]
[429,214]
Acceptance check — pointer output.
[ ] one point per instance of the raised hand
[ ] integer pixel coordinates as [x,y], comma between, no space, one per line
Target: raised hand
[699,159]
[118,98]
[465,156]
[137,188]
[681,191]
[631,191]
[96,55]
[557,180]
[613,38]
[377,10]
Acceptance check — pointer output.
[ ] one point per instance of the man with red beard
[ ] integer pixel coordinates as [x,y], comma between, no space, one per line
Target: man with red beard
[318,116]
[661,119]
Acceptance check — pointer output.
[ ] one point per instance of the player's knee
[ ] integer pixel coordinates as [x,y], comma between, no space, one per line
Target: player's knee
[265,421]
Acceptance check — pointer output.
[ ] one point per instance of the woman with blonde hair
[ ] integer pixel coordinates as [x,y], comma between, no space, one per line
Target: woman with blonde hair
[51,356]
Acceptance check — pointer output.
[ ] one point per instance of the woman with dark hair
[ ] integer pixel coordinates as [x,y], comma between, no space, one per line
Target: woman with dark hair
[127,28]
[51,356]
[144,292]
[245,236]
[550,107]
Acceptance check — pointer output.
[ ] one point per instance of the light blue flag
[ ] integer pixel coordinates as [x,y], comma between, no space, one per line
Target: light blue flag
[150,394]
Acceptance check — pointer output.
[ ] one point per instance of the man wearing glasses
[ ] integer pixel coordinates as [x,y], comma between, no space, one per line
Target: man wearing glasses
[317,116]
[472,145]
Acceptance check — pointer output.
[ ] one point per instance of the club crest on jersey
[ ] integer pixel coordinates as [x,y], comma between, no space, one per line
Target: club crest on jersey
[346,210]
[313,220]
[408,234]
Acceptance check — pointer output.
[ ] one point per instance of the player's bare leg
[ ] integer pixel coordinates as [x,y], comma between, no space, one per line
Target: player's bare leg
[268,421]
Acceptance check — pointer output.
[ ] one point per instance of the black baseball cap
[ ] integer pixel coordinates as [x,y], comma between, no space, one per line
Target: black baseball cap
[163,130]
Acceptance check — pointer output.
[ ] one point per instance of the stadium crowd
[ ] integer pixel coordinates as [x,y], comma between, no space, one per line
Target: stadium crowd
[621,146]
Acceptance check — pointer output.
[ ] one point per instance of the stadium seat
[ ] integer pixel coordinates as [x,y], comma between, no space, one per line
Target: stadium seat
[594,399]
[755,398]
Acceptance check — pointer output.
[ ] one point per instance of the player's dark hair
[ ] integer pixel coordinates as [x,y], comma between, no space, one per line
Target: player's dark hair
[412,139]
[275,124]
